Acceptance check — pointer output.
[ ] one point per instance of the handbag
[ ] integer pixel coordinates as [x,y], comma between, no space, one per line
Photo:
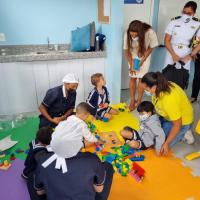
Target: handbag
[178,76]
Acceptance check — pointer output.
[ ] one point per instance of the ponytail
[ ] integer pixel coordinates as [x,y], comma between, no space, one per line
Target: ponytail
[157,79]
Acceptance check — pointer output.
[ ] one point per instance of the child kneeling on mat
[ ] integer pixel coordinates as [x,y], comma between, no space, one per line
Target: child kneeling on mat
[150,133]
[98,98]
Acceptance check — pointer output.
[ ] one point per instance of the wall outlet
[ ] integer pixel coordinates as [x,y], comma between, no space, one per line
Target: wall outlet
[2,37]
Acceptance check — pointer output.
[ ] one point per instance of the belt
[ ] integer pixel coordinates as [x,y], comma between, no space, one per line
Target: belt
[180,46]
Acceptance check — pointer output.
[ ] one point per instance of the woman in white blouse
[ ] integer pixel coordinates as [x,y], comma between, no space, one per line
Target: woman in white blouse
[139,41]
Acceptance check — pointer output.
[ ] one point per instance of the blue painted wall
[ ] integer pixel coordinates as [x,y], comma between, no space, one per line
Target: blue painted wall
[114,33]
[32,21]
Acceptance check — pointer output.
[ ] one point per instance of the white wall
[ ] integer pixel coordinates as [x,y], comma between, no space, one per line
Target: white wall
[167,10]
[134,12]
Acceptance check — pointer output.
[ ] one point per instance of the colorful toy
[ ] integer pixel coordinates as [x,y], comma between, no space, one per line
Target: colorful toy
[2,154]
[105,119]
[19,151]
[121,109]
[137,172]
[136,62]
[5,165]
[193,156]
[111,140]
[102,106]
[92,127]
[12,157]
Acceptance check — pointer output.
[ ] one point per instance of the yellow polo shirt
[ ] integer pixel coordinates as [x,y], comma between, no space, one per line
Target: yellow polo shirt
[174,105]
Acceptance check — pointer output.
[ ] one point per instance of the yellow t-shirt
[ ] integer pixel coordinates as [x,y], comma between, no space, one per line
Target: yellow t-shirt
[174,105]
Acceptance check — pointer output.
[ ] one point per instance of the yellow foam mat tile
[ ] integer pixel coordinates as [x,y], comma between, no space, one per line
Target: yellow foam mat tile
[165,178]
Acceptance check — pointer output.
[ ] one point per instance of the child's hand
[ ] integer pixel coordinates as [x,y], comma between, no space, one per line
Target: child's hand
[133,143]
[106,105]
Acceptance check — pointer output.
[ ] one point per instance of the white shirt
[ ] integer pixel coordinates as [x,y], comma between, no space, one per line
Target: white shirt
[76,127]
[182,32]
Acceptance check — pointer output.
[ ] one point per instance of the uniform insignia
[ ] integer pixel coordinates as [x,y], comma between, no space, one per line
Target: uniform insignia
[174,18]
[196,19]
[193,27]
[177,25]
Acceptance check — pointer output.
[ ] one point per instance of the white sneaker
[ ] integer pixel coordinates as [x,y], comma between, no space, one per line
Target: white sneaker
[188,137]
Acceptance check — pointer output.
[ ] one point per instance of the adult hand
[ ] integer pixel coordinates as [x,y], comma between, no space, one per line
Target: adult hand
[56,120]
[175,58]
[186,58]
[142,62]
[164,149]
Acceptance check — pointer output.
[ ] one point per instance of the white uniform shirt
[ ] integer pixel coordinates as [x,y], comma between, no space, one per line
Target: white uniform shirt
[75,126]
[182,32]
[181,36]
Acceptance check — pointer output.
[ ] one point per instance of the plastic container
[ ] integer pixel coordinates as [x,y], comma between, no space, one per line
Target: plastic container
[136,62]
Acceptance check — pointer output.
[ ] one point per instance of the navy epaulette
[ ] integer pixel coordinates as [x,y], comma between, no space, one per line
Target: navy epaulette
[174,18]
[196,19]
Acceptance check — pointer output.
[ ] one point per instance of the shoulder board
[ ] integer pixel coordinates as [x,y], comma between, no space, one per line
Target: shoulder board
[196,19]
[174,18]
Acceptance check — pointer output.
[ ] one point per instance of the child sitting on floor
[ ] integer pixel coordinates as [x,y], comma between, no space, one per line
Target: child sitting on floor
[98,98]
[75,124]
[150,133]
[38,148]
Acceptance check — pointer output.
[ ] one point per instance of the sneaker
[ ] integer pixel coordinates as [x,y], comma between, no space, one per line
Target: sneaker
[188,137]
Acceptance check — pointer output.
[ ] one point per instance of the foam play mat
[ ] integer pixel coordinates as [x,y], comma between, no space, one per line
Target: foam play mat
[165,177]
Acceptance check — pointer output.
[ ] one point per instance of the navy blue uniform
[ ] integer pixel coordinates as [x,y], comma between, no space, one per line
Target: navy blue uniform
[57,104]
[95,99]
[36,152]
[84,170]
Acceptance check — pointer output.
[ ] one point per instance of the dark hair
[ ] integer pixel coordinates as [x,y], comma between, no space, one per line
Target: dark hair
[128,128]
[44,135]
[191,4]
[95,78]
[141,28]
[157,79]
[83,108]
[146,106]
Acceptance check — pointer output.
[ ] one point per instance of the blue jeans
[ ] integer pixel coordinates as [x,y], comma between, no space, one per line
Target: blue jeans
[167,126]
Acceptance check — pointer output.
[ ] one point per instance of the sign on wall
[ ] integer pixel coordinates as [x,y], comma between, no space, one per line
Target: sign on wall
[133,1]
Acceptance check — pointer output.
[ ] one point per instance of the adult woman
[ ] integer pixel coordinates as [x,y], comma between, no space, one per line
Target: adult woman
[139,42]
[172,104]
[59,102]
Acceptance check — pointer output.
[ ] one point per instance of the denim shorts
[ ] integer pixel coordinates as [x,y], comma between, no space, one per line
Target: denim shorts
[167,126]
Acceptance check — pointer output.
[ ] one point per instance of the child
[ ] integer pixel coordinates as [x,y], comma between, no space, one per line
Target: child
[36,152]
[66,173]
[98,98]
[75,124]
[151,132]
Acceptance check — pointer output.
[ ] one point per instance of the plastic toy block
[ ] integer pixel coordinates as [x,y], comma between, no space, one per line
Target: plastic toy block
[6,165]
[2,154]
[104,152]
[26,152]
[121,109]
[12,157]
[137,172]
[19,151]
[141,158]
[136,177]
[193,156]
[101,105]
[105,119]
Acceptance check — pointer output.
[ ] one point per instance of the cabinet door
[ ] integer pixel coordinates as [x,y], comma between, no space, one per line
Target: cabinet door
[18,93]
[58,69]
[92,66]
[41,76]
